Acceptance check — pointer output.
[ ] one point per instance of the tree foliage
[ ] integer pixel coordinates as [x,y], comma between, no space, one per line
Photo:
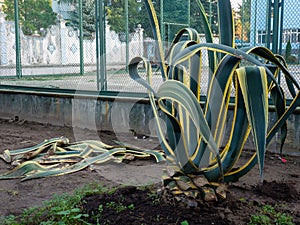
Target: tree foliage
[88,18]
[137,14]
[288,53]
[211,7]
[33,14]
[176,11]
[116,15]
[173,11]
[288,49]
[243,22]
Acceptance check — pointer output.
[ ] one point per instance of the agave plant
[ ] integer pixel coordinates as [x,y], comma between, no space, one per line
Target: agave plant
[193,143]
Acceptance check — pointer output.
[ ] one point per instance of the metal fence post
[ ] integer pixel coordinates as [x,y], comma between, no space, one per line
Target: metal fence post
[189,13]
[127,34]
[268,29]
[100,46]
[281,26]
[97,44]
[102,31]
[17,41]
[243,23]
[210,12]
[81,60]
[275,27]
[255,23]
[162,20]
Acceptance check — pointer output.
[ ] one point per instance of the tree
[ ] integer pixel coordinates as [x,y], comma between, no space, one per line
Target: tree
[33,14]
[243,23]
[288,49]
[173,13]
[175,17]
[116,15]
[88,17]
[288,53]
[211,9]
[178,14]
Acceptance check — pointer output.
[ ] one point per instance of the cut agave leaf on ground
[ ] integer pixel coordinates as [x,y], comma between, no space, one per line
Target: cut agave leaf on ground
[24,169]
[43,160]
[75,167]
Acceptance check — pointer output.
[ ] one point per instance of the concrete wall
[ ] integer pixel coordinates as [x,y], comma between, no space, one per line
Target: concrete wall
[116,114]
[78,111]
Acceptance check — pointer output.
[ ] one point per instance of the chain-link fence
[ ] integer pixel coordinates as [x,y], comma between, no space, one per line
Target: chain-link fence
[275,25]
[87,44]
[68,52]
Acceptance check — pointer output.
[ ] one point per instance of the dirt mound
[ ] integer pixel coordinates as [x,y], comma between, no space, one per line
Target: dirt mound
[130,205]
[278,191]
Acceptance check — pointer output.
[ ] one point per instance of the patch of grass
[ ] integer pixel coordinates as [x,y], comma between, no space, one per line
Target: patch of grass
[242,200]
[154,197]
[269,215]
[63,209]
[185,222]
[9,220]
[43,77]
[131,207]
[119,207]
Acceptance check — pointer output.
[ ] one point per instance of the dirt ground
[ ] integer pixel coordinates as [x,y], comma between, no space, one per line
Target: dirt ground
[280,188]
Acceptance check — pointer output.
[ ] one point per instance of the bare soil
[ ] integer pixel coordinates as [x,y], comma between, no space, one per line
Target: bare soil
[280,187]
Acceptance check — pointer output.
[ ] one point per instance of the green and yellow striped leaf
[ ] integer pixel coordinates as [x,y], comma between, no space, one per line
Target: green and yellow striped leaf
[254,87]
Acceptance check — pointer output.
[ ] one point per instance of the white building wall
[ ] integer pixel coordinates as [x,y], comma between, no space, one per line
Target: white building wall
[60,46]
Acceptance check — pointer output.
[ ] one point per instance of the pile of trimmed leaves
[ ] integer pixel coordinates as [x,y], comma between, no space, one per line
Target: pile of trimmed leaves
[57,156]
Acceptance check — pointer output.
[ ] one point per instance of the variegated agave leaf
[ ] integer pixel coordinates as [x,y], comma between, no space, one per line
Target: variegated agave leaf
[195,134]
[56,157]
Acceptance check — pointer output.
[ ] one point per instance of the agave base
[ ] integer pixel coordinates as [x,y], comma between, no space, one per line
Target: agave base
[191,189]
